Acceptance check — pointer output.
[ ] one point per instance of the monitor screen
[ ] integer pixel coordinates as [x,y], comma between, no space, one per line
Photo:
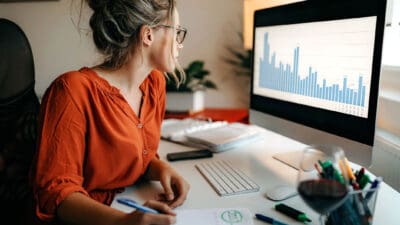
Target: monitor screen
[317,63]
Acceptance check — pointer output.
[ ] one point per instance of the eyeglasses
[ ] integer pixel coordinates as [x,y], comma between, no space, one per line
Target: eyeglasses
[180,32]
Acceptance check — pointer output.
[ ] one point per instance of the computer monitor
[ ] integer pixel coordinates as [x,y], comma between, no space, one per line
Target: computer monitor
[315,72]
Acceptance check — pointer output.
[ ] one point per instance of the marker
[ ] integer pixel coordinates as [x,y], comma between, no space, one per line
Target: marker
[364,181]
[355,185]
[269,220]
[343,168]
[349,170]
[133,204]
[337,176]
[374,185]
[293,213]
[360,174]
[318,170]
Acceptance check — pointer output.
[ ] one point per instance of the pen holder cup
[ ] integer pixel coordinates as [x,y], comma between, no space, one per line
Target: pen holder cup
[357,209]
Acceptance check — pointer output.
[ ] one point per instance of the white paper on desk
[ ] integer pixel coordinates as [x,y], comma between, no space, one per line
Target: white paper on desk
[223,216]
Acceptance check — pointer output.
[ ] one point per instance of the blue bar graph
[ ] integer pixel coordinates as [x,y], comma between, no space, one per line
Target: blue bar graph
[286,78]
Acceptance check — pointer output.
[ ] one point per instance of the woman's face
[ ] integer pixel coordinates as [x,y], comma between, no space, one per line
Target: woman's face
[163,57]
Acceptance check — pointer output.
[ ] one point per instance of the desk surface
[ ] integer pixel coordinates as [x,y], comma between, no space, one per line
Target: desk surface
[256,161]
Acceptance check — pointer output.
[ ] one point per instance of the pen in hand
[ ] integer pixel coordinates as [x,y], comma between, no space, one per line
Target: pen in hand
[133,204]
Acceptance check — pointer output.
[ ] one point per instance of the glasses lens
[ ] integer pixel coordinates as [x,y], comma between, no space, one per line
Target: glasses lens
[180,35]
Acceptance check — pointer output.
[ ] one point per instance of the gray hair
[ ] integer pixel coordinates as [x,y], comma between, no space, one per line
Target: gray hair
[116,27]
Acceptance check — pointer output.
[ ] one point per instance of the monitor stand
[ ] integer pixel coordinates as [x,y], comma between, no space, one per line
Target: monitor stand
[356,152]
[292,159]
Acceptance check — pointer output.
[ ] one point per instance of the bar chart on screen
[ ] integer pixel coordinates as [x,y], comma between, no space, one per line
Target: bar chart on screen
[327,66]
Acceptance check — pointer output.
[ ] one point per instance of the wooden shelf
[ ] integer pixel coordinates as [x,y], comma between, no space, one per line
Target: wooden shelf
[216,114]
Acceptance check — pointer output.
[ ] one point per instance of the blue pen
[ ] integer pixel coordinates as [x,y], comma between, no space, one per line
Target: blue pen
[269,220]
[133,204]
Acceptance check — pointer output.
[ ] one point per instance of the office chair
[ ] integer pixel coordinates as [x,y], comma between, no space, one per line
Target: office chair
[19,108]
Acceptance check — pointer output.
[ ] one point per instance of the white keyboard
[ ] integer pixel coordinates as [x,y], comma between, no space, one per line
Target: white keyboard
[172,128]
[226,179]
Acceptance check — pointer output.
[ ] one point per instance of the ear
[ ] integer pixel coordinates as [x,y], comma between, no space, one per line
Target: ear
[147,35]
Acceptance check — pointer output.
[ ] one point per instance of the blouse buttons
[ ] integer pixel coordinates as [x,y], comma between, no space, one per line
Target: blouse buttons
[140,126]
[145,152]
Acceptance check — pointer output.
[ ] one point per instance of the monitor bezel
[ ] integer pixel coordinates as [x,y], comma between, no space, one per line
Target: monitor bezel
[348,126]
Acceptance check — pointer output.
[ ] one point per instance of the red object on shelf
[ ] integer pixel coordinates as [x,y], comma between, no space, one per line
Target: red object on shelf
[216,114]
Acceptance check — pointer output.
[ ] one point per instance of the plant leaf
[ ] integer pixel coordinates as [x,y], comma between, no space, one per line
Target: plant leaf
[195,79]
[201,74]
[195,66]
[209,84]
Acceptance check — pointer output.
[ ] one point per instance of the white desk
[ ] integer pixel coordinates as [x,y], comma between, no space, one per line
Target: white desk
[256,161]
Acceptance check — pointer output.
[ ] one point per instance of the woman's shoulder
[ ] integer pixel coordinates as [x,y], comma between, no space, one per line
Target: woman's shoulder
[157,78]
[76,78]
[78,85]
[81,81]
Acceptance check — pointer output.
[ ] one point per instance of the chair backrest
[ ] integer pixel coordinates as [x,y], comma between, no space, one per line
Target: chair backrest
[19,108]
[17,73]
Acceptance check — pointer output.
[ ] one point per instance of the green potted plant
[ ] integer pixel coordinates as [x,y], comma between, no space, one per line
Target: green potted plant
[189,95]
[240,61]
[239,58]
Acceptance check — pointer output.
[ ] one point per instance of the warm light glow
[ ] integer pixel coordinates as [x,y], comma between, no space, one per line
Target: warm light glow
[248,15]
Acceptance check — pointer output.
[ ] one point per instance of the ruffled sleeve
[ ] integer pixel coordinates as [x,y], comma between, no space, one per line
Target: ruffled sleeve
[58,169]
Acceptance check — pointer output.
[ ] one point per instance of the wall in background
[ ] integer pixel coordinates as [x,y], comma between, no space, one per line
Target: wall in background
[249,7]
[56,43]
[58,46]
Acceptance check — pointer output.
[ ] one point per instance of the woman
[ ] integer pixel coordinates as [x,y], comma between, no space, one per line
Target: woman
[100,126]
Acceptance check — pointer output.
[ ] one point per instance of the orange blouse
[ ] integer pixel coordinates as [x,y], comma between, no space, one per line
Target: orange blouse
[90,139]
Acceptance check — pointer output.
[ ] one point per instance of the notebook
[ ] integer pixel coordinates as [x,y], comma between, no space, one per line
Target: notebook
[216,136]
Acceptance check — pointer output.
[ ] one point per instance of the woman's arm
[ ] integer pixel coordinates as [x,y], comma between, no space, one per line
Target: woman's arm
[79,209]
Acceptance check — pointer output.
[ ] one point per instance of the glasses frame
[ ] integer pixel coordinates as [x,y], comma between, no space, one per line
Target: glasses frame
[179,39]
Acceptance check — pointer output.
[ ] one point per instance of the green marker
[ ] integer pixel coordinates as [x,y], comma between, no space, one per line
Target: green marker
[293,213]
[364,181]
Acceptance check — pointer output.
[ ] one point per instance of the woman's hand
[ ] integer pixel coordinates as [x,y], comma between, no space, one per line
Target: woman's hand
[78,208]
[175,187]
[166,216]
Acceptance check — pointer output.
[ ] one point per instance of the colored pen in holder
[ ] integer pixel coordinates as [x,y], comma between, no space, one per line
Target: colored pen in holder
[357,209]
[358,205]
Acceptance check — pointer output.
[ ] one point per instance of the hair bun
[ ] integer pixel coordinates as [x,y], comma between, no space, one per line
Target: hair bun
[97,4]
